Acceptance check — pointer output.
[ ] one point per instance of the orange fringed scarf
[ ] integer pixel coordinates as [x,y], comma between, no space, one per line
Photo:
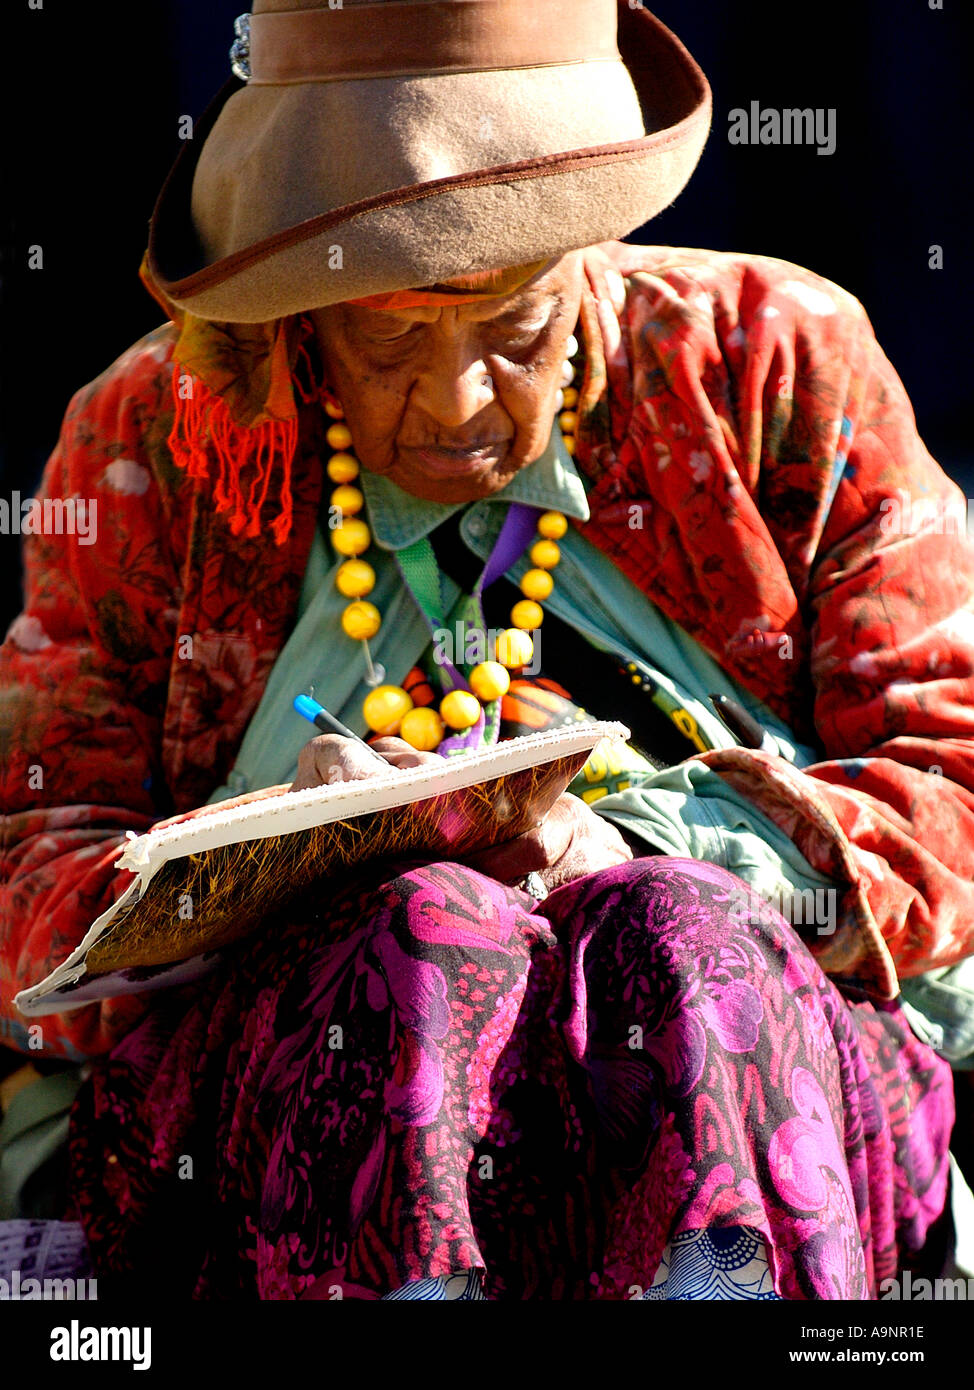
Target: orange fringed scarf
[236,389]
[235,400]
[203,422]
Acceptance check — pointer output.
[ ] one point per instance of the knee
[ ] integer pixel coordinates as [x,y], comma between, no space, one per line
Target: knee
[678,916]
[695,878]
[707,893]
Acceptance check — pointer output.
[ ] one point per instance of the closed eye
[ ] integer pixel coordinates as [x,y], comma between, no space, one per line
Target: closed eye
[514,341]
[525,335]
[393,337]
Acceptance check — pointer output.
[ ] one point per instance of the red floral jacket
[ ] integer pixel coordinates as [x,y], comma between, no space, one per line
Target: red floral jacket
[757,472]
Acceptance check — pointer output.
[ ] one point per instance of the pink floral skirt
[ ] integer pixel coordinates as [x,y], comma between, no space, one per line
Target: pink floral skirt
[424,1072]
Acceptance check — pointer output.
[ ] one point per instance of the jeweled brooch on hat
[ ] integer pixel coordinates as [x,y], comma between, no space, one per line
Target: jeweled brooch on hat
[240,48]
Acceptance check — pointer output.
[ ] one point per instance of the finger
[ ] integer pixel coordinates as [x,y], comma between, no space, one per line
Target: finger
[401,754]
[330,758]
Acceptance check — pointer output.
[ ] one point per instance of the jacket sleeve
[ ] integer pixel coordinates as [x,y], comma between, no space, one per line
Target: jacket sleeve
[886,600]
[83,678]
[801,532]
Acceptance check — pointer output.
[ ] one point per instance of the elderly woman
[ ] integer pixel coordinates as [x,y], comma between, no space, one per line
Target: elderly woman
[597,1061]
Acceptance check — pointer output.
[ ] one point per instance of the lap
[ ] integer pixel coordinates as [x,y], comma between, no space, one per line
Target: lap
[434,1073]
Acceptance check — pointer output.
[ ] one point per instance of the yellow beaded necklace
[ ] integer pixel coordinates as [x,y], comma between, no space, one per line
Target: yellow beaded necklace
[389,709]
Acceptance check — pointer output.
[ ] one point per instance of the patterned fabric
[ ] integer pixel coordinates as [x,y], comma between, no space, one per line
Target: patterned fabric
[435,1074]
[43,1250]
[745,438]
[747,415]
[724,1265]
[462,1288]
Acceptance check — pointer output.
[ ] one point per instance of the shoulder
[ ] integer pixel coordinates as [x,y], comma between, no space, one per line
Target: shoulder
[730,298]
[123,417]
[752,331]
[698,278]
[142,370]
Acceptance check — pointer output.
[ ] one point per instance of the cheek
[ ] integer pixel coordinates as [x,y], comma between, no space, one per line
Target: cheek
[370,397]
[373,406]
[528,396]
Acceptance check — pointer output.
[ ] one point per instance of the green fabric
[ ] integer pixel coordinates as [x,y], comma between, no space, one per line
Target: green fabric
[419,567]
[33,1135]
[940,1007]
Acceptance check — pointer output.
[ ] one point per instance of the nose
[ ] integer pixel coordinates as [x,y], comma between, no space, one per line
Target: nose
[453,387]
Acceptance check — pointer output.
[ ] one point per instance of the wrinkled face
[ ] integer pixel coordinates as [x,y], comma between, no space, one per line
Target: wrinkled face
[449,403]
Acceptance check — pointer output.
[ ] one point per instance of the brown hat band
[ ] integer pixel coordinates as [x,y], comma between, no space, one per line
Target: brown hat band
[326,45]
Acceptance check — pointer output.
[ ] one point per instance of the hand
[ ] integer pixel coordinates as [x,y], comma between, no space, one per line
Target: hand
[570,842]
[330,758]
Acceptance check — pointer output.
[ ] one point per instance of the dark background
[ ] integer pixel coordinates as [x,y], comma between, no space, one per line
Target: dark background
[95,95]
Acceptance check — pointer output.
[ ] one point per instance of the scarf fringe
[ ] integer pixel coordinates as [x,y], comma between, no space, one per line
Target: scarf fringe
[203,426]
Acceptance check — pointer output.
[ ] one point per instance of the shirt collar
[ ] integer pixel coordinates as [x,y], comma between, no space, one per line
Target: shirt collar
[397,519]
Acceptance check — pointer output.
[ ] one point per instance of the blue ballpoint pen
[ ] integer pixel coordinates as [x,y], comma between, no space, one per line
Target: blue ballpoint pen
[328,724]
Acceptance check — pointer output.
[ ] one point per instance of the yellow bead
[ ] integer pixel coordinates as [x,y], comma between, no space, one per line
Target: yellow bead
[355,579]
[339,436]
[537,584]
[384,709]
[352,537]
[568,420]
[571,397]
[334,410]
[361,620]
[348,500]
[569,442]
[544,554]
[514,648]
[552,525]
[460,709]
[343,468]
[527,614]
[489,680]
[422,729]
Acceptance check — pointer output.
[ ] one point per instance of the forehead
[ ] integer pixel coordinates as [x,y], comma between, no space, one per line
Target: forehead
[528,303]
[531,301]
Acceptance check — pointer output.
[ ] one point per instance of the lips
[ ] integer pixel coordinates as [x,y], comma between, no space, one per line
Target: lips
[456,462]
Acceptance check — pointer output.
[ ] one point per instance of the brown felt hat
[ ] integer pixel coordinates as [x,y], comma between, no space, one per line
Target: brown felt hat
[380,146]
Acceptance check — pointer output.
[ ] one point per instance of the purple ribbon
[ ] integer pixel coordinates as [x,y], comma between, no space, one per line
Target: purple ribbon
[519,526]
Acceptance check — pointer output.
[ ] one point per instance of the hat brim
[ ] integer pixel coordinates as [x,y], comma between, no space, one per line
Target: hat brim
[425,232]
